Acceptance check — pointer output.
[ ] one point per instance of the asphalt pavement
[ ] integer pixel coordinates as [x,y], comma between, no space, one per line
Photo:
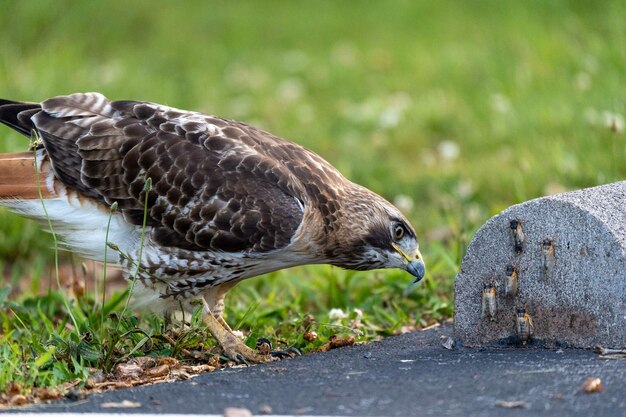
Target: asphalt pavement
[406,375]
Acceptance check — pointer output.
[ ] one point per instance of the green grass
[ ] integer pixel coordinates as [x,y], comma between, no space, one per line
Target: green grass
[463,107]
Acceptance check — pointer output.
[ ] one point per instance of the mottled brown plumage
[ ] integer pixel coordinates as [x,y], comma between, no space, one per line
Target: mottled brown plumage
[228,201]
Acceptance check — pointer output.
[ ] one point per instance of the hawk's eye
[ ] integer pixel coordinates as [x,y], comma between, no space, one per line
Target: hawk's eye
[398,232]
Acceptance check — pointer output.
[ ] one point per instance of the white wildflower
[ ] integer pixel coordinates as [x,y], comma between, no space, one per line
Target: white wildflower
[500,103]
[448,150]
[359,313]
[398,104]
[244,76]
[365,111]
[465,188]
[110,72]
[613,121]
[239,334]
[474,213]
[290,90]
[404,203]
[337,314]
[389,118]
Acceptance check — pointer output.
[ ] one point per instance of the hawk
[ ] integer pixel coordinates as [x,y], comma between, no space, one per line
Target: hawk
[221,201]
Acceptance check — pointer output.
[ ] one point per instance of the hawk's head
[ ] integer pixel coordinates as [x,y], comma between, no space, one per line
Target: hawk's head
[373,234]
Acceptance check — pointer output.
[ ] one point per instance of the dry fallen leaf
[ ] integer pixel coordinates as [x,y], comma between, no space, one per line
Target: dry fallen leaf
[14,388]
[308,320]
[137,371]
[405,329]
[114,385]
[592,385]
[18,399]
[160,369]
[157,371]
[166,360]
[309,336]
[128,370]
[335,342]
[432,326]
[145,361]
[46,394]
[96,377]
[511,404]
[237,412]
[196,369]
[122,404]
[78,286]
[446,342]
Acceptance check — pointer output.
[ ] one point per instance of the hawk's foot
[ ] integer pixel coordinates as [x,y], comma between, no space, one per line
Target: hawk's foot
[241,353]
[232,346]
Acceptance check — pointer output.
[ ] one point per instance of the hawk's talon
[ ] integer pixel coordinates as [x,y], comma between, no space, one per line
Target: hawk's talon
[294,350]
[264,346]
[240,359]
[291,352]
[281,354]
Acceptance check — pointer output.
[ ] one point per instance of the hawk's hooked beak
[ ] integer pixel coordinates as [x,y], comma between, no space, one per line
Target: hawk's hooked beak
[414,264]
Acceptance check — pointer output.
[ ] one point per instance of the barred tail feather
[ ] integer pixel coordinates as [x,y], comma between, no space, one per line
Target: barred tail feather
[17,115]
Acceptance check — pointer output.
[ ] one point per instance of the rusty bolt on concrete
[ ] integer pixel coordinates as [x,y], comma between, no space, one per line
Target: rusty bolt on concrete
[562,259]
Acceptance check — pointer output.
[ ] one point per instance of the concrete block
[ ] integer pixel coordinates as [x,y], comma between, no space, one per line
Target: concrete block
[566,254]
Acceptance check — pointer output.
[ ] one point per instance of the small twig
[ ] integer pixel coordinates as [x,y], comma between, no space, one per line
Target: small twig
[608,351]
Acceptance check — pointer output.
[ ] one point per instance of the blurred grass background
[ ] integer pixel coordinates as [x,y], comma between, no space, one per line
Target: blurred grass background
[453,110]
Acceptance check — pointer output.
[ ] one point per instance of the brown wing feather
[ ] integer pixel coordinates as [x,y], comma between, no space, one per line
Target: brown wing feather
[213,186]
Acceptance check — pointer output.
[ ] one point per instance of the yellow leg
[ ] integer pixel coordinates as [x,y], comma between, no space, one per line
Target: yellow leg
[233,347]
[225,325]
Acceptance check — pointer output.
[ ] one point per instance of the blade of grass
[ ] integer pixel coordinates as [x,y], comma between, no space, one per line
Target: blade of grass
[147,188]
[35,141]
[104,272]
